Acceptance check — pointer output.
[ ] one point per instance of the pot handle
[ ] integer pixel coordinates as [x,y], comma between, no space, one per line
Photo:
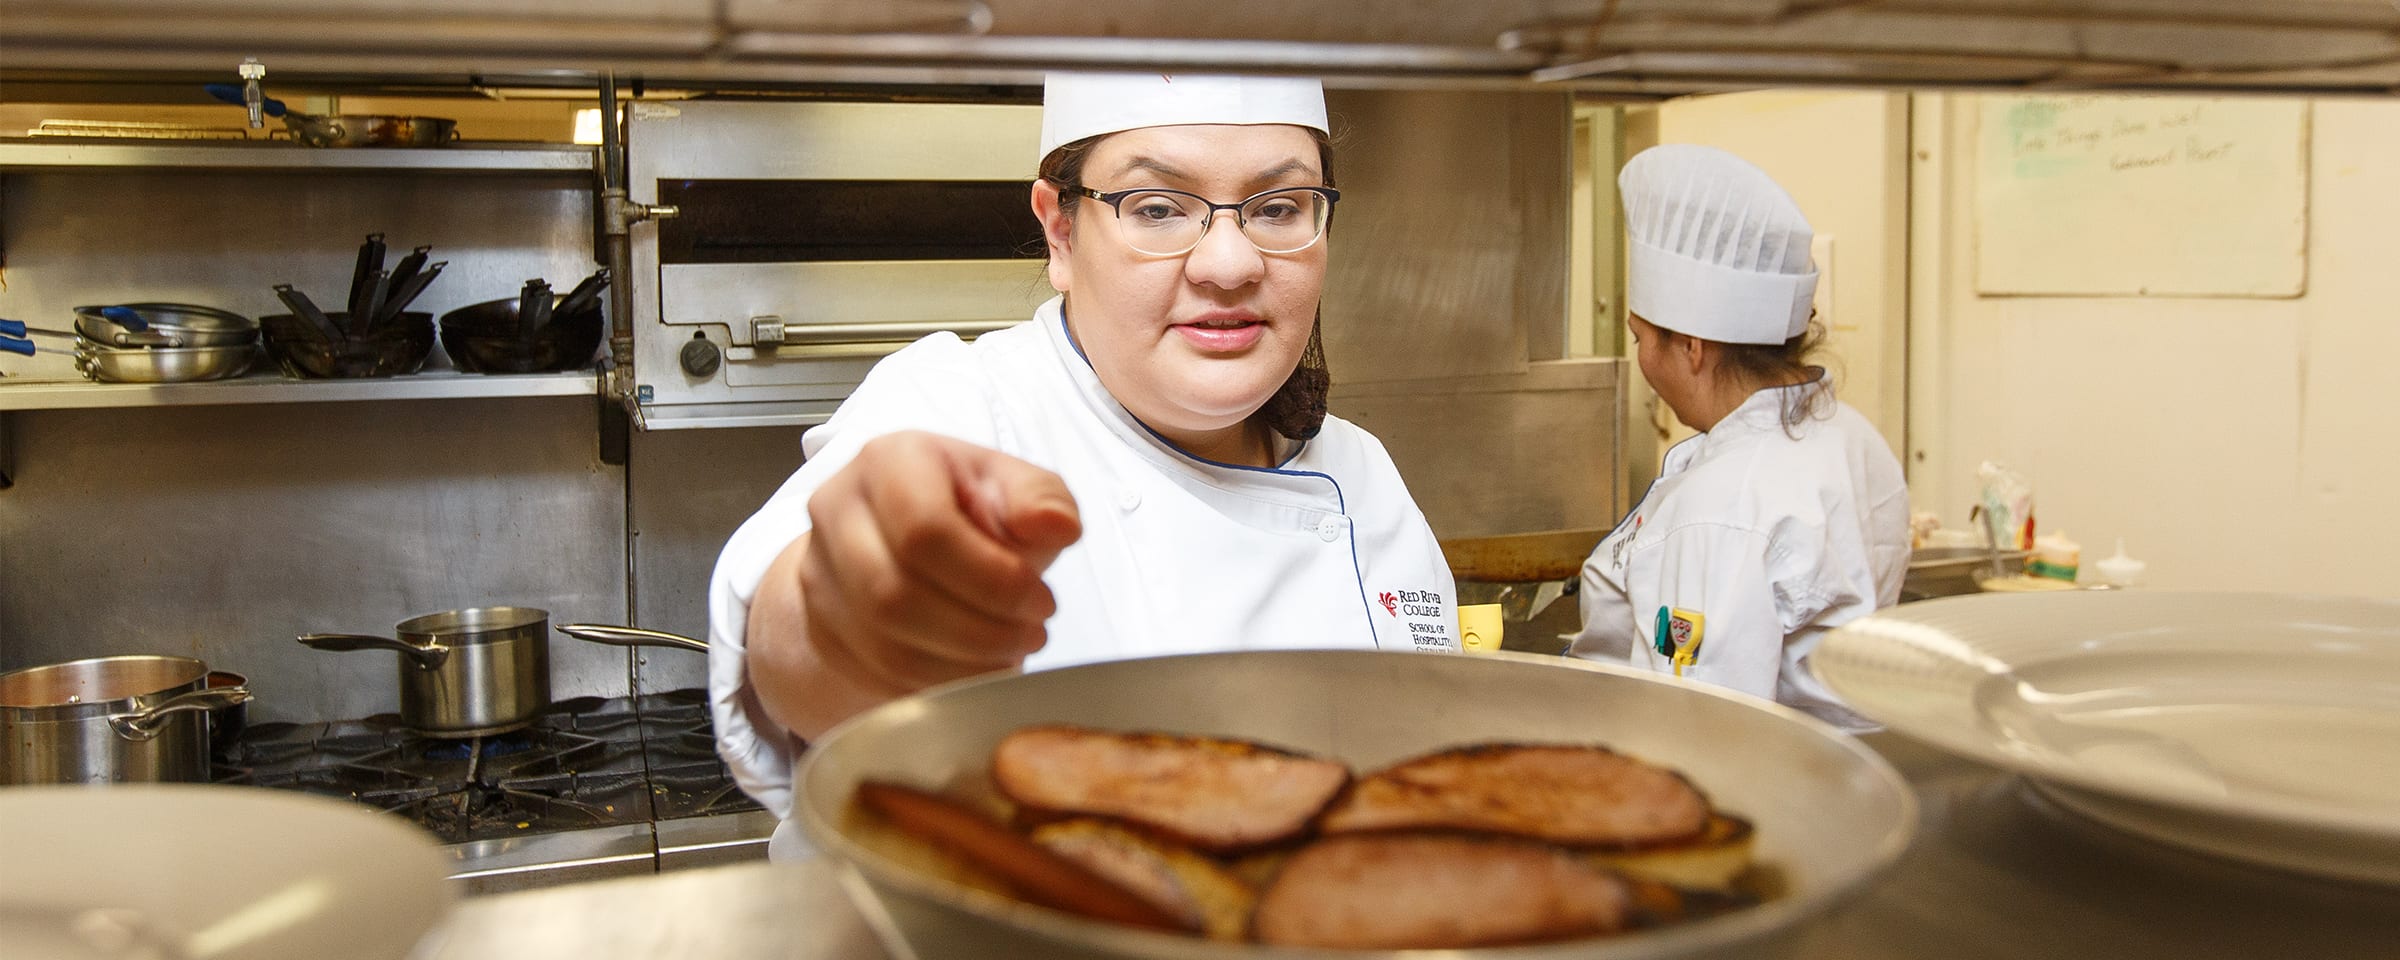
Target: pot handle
[429,656]
[631,636]
[144,724]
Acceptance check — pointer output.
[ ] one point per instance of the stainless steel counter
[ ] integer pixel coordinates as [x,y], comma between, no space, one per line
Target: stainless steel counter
[1996,872]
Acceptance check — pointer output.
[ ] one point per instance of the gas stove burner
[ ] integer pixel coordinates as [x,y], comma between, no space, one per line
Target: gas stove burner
[586,762]
[486,747]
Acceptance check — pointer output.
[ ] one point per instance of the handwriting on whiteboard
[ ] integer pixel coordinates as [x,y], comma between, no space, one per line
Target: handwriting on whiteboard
[2160,196]
[2052,136]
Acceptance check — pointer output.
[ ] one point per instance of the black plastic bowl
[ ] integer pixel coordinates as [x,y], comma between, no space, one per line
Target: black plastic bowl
[483,338]
[399,346]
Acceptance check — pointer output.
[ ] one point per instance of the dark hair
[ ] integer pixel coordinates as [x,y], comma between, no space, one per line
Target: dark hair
[1297,409]
[1786,362]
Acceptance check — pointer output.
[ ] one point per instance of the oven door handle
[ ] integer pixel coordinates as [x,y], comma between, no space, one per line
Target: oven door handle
[811,334]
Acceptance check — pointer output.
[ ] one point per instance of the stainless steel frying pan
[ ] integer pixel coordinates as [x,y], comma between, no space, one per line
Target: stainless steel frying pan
[1830,813]
[349,129]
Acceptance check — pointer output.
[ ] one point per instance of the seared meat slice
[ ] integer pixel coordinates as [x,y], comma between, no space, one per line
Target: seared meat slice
[1194,888]
[1572,795]
[1220,796]
[1398,891]
[1032,871]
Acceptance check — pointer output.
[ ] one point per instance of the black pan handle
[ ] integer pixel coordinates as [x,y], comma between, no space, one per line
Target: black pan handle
[584,295]
[370,259]
[307,311]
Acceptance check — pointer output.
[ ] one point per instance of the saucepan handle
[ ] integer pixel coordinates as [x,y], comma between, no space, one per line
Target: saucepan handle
[429,656]
[631,636]
[146,723]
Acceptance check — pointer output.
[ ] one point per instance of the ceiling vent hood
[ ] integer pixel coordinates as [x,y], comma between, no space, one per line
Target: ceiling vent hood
[1628,47]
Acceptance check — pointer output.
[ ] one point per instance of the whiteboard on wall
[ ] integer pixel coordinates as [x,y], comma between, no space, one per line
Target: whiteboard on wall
[2141,196]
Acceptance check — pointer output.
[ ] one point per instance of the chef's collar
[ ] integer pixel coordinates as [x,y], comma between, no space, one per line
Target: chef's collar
[1765,406]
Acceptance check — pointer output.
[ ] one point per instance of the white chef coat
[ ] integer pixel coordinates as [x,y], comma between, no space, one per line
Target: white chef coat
[1178,554]
[1759,541]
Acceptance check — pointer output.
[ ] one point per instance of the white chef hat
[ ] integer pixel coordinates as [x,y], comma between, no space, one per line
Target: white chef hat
[1719,251]
[1079,105]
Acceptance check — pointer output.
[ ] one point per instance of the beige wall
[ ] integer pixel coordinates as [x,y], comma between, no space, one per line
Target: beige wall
[2233,443]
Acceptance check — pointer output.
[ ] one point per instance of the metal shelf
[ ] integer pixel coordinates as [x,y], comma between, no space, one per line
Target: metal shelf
[65,155]
[275,388]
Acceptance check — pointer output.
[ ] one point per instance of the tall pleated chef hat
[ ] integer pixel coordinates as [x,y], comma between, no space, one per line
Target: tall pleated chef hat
[1719,251]
[1079,105]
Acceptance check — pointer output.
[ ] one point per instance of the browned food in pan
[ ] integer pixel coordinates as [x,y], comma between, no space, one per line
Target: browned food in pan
[1036,875]
[1716,859]
[1389,891]
[1201,894]
[1578,796]
[1219,796]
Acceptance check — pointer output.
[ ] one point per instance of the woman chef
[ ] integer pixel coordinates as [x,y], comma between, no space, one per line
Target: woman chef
[1143,468]
[1787,515]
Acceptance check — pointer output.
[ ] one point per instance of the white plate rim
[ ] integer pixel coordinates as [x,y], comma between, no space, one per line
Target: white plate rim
[1828,665]
[2371,863]
[418,896]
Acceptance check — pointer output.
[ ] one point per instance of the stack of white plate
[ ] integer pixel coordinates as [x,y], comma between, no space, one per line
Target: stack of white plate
[2263,727]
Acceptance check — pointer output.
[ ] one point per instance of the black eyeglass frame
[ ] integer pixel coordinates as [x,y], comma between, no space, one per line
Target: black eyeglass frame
[1115,197]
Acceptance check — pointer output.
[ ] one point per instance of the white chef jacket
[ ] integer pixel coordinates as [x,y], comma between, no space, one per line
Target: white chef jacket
[1178,554]
[1758,541]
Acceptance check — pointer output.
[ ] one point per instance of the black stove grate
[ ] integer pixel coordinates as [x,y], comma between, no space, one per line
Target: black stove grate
[585,762]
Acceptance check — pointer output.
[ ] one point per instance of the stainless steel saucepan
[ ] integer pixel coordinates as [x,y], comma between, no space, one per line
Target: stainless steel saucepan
[109,719]
[464,673]
[1829,813]
[482,670]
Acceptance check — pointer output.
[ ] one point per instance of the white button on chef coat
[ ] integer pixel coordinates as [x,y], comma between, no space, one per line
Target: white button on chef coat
[1759,541]
[1326,550]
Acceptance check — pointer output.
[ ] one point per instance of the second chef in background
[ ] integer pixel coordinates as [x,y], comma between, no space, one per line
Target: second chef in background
[1788,515]
[1144,468]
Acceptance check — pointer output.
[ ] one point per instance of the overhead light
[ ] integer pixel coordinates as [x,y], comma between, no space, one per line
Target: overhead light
[587,125]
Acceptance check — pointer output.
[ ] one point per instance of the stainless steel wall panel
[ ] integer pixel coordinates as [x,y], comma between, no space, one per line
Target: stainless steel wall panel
[1485,456]
[1450,243]
[222,532]
[690,489]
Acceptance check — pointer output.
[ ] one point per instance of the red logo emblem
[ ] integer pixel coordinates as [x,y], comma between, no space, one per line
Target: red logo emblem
[1391,604]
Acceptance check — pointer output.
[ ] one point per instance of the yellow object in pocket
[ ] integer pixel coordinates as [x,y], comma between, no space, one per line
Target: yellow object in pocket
[1479,627]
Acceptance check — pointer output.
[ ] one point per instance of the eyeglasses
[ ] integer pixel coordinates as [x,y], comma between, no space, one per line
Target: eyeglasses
[1170,223]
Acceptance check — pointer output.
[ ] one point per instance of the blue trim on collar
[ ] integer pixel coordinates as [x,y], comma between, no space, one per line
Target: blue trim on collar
[1072,344]
[1277,469]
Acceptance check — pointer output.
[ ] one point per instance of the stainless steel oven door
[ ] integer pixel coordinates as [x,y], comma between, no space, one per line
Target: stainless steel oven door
[813,239]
